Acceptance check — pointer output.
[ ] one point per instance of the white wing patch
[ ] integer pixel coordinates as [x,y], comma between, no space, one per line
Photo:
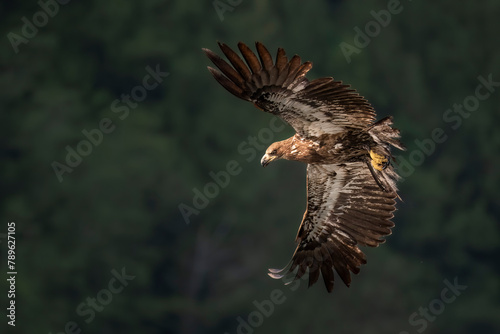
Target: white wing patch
[299,87]
[314,121]
[330,194]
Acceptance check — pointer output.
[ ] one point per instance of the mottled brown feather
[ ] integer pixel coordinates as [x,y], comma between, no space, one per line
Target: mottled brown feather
[349,224]
[294,94]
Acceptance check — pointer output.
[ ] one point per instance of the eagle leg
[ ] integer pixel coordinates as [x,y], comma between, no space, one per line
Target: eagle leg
[379,162]
[374,174]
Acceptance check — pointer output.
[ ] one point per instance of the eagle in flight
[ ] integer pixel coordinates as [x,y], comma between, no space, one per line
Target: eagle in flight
[351,191]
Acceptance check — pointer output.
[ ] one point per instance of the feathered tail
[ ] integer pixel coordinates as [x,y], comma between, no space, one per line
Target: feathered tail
[386,137]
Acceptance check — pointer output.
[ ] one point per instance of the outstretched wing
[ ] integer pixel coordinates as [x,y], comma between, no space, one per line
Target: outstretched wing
[312,108]
[346,209]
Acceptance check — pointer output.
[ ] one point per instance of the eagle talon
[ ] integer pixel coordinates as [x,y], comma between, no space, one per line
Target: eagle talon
[379,162]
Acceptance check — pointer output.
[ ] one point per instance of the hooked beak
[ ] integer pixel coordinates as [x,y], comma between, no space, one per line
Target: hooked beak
[266,160]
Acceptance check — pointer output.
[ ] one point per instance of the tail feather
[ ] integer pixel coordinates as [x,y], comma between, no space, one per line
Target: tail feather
[384,134]
[386,137]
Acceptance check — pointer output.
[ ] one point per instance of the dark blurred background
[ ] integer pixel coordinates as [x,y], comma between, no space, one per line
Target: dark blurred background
[104,156]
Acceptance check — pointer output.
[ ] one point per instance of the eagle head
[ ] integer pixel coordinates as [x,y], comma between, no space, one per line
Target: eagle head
[273,152]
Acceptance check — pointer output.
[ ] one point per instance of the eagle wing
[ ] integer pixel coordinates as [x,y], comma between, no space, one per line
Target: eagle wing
[312,108]
[345,209]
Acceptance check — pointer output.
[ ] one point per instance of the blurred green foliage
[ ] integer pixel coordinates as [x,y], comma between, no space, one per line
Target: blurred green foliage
[119,208]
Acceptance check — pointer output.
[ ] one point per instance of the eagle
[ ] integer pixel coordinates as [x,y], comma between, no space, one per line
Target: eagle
[351,183]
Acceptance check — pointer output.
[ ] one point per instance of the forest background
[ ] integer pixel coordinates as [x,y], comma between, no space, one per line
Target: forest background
[111,127]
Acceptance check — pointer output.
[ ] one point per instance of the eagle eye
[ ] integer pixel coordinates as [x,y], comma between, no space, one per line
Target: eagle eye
[273,152]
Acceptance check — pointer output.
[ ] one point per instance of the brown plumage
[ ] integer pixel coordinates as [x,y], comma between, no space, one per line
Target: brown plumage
[351,187]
